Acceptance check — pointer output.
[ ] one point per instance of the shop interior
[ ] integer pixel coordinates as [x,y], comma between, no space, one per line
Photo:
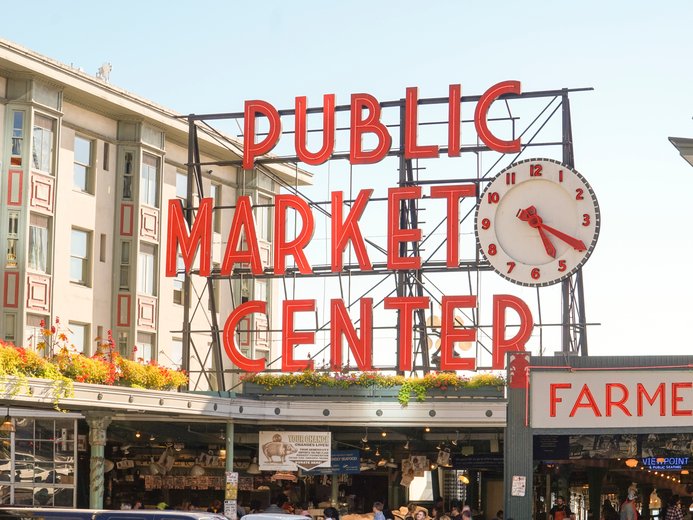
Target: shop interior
[177,463]
[592,471]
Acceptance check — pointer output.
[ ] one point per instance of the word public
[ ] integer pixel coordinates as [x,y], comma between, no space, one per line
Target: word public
[365,114]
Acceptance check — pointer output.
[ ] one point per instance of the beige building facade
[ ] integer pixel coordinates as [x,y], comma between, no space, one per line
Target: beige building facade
[87,173]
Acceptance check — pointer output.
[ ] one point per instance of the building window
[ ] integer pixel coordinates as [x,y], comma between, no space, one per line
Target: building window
[34,333]
[176,353]
[146,270]
[82,178]
[149,180]
[79,256]
[127,176]
[215,194]
[38,243]
[17,137]
[124,277]
[123,347]
[12,238]
[106,156]
[145,347]
[182,186]
[179,280]
[10,326]
[80,337]
[42,154]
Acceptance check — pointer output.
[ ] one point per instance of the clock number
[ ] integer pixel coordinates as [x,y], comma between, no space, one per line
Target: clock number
[493,197]
[536,273]
[535,170]
[586,219]
[511,266]
[485,223]
[492,249]
[562,265]
[579,194]
[560,175]
[510,178]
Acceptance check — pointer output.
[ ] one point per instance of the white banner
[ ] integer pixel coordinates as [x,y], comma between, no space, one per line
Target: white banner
[611,398]
[289,451]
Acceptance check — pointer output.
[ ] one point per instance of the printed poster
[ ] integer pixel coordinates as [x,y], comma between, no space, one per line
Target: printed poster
[290,451]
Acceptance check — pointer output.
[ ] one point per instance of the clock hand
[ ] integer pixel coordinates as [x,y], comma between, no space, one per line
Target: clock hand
[550,250]
[579,245]
[530,216]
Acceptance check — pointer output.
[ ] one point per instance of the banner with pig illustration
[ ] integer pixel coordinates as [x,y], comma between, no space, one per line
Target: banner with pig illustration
[290,451]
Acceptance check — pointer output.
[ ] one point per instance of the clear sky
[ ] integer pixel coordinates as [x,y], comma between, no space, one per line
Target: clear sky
[209,56]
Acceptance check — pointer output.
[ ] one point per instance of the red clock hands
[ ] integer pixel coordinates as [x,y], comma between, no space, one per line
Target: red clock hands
[530,216]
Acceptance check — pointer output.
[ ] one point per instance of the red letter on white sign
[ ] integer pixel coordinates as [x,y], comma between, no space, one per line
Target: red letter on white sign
[251,149]
[501,344]
[238,359]
[406,305]
[177,233]
[343,232]
[342,326]
[395,234]
[242,221]
[291,338]
[481,113]
[449,334]
[282,248]
[453,194]
[325,152]
[371,124]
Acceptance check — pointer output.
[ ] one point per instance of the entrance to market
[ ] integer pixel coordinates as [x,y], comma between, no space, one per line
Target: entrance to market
[177,463]
[594,471]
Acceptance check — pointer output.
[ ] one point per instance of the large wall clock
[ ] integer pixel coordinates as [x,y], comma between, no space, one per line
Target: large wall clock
[537,222]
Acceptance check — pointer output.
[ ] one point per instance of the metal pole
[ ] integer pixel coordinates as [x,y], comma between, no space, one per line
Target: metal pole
[188,218]
[98,424]
[230,430]
[566,289]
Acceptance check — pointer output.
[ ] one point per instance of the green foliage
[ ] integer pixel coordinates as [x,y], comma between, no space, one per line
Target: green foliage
[417,386]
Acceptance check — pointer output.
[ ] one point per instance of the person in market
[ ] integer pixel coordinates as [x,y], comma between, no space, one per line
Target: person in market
[561,510]
[628,508]
[276,504]
[674,511]
[330,513]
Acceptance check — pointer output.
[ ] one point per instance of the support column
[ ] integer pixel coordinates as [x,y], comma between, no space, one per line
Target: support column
[519,442]
[334,498]
[230,431]
[98,423]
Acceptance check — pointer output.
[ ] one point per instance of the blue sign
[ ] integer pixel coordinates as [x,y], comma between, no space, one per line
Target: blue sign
[665,463]
[342,462]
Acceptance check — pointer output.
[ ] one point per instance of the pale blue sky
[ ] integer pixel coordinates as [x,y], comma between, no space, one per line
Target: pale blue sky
[209,56]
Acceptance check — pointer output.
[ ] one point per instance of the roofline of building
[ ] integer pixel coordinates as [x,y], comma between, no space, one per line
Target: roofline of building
[151,404]
[120,103]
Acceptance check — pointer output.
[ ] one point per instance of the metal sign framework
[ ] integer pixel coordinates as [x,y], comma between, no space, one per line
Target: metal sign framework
[554,104]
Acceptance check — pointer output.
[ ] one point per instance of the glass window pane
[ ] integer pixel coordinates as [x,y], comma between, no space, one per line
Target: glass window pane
[44,429]
[82,151]
[79,336]
[181,185]
[79,243]
[80,177]
[24,428]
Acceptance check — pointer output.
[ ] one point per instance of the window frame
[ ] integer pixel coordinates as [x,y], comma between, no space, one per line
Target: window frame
[149,180]
[86,341]
[34,223]
[147,271]
[86,260]
[42,131]
[88,166]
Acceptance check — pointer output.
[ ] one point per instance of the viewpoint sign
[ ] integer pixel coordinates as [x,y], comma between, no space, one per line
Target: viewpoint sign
[611,398]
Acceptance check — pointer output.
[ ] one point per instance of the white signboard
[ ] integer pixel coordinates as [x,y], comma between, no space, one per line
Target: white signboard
[289,451]
[519,486]
[611,398]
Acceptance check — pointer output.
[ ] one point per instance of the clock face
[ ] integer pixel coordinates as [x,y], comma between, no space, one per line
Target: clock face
[537,222]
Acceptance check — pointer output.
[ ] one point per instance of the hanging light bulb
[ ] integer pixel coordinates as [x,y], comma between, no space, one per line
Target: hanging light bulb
[383,434]
[457,438]
[152,438]
[377,452]
[253,468]
[406,445]
[138,434]
[7,425]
